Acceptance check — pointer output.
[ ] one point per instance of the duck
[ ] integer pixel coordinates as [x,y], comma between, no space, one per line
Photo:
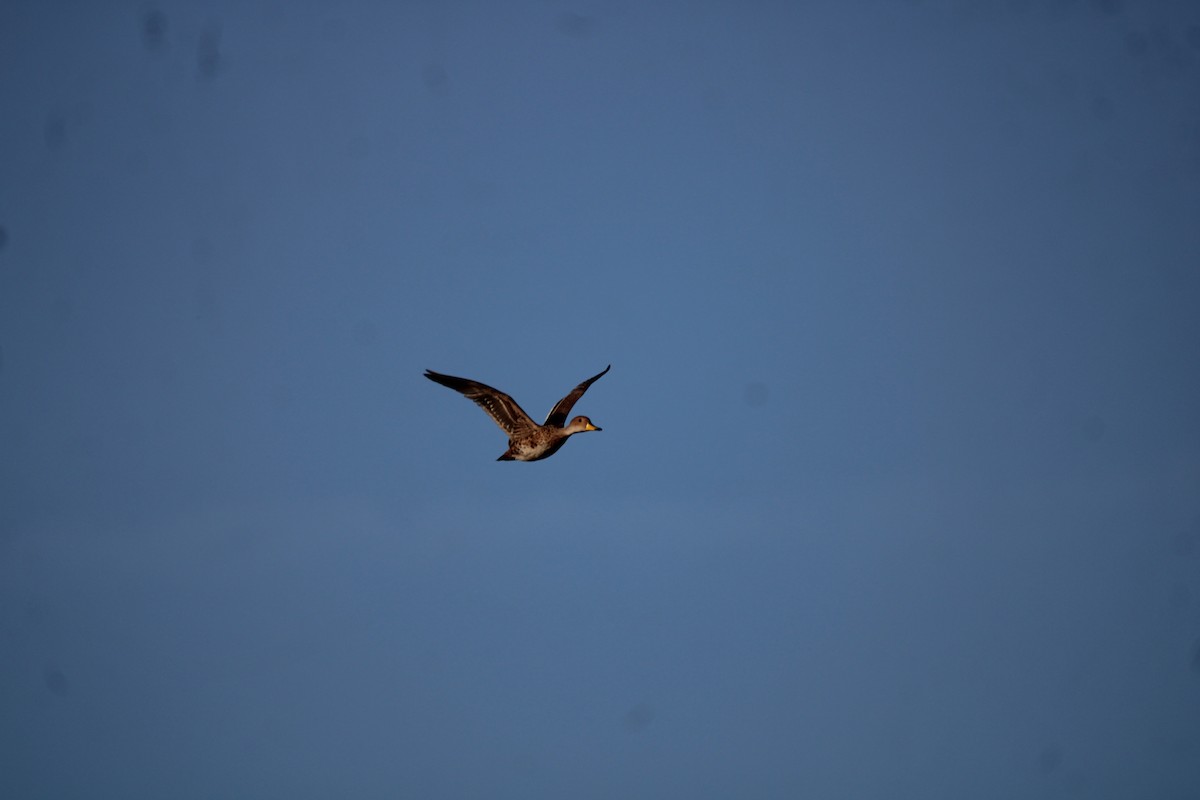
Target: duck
[527,441]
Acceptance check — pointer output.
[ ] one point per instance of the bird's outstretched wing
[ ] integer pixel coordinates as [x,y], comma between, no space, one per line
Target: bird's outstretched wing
[558,414]
[499,406]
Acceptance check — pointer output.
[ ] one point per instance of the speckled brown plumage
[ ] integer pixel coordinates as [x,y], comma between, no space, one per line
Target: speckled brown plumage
[527,441]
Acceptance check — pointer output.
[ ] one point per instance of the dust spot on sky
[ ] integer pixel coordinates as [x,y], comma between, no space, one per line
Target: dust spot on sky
[1094,428]
[55,681]
[435,78]
[638,718]
[208,52]
[358,147]
[1102,108]
[165,371]
[365,332]
[1179,596]
[577,26]
[334,30]
[54,133]
[756,394]
[1136,44]
[1050,759]
[202,248]
[280,397]
[154,30]
[1184,542]
[63,307]
[207,305]
[35,611]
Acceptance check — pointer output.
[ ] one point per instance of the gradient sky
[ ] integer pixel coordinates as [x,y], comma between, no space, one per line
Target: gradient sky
[898,493]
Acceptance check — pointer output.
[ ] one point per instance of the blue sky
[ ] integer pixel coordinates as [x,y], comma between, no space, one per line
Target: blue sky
[897,492]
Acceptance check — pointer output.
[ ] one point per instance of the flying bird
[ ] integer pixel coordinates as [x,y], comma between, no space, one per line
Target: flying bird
[527,441]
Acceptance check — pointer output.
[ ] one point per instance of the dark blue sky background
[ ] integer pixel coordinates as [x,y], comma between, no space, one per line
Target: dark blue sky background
[898,493]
